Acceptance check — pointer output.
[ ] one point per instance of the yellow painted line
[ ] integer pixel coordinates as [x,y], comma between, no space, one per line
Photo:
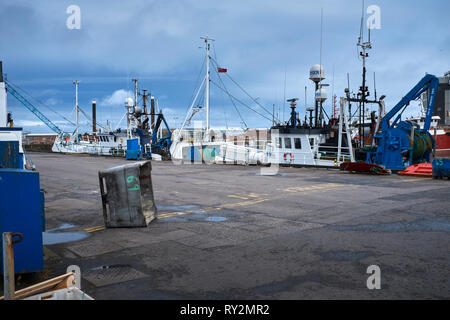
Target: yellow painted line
[324,187]
[329,186]
[236,196]
[244,203]
[171,214]
[93,229]
[256,195]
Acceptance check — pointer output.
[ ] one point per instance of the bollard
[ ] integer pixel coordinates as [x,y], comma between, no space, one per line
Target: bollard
[8,264]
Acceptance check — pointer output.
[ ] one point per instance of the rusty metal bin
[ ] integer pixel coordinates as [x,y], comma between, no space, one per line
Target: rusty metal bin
[127,195]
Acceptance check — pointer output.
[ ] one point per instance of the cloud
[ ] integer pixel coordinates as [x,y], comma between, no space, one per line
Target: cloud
[29,123]
[117,98]
[52,102]
[257,40]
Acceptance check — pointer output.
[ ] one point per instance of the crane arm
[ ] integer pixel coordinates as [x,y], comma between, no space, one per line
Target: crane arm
[32,108]
[156,128]
[428,82]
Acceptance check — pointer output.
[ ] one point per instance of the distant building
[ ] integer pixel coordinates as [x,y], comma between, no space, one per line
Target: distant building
[39,138]
[442,104]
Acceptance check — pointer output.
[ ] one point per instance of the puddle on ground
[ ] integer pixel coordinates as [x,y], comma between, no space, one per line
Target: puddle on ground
[196,213]
[62,227]
[428,224]
[52,237]
[216,219]
[267,174]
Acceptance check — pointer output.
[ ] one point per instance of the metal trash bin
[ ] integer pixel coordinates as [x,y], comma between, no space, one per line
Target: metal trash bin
[127,195]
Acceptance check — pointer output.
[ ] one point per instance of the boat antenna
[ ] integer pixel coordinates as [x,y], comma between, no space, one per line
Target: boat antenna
[349,103]
[284,95]
[374,85]
[333,98]
[361,32]
[226,122]
[273,114]
[306,105]
[320,62]
[76,82]
[321,29]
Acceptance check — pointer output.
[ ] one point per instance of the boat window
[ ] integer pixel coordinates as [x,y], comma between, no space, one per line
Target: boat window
[311,142]
[297,143]
[107,139]
[279,143]
[287,143]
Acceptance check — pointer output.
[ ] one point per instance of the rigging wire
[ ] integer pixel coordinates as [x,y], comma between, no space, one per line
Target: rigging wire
[120,121]
[39,101]
[89,118]
[196,81]
[240,101]
[221,81]
[240,87]
[284,96]
[63,127]
[229,96]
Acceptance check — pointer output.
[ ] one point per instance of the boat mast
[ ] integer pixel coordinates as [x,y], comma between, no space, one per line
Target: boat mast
[207,45]
[363,90]
[75,82]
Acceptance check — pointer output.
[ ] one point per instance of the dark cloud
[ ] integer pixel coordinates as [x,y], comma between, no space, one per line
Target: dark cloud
[157,41]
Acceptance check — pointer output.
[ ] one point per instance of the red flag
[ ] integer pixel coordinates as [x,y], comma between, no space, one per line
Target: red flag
[221,70]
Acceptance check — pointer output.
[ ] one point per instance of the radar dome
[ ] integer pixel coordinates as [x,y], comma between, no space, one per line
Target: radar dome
[137,111]
[129,102]
[316,73]
[321,95]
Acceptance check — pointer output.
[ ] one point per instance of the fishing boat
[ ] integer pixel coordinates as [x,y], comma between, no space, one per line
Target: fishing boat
[206,144]
[111,143]
[291,143]
[306,144]
[104,141]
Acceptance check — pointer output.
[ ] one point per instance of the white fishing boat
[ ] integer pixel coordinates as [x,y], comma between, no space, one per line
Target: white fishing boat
[104,141]
[207,144]
[309,145]
[113,143]
[291,143]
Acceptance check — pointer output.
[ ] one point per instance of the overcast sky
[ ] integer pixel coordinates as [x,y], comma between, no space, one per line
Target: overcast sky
[257,41]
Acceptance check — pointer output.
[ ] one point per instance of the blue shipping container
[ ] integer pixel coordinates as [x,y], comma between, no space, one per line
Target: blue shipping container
[20,211]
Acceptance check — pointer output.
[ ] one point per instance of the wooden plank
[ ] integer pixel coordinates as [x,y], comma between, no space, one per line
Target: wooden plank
[68,282]
[42,286]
